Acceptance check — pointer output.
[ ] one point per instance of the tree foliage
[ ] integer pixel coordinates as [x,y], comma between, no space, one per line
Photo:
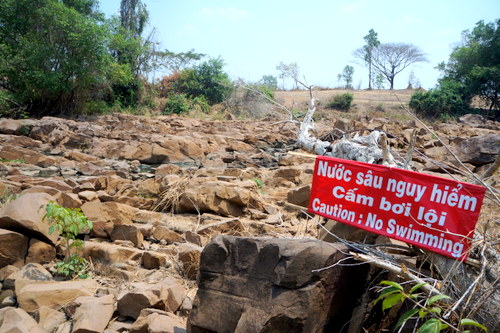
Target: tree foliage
[365,53]
[176,62]
[53,53]
[346,76]
[476,63]
[390,59]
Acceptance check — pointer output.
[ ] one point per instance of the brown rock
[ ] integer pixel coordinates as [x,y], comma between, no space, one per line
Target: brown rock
[165,295]
[25,215]
[153,260]
[50,319]
[41,189]
[93,314]
[15,126]
[223,198]
[104,215]
[479,150]
[18,321]
[30,272]
[13,248]
[270,285]
[40,252]
[88,195]
[127,232]
[157,321]
[290,174]
[6,271]
[167,169]
[164,233]
[189,256]
[31,295]
[299,196]
[110,253]
[68,200]
[193,238]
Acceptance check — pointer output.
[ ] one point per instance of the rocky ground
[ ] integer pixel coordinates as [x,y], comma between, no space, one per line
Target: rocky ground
[158,190]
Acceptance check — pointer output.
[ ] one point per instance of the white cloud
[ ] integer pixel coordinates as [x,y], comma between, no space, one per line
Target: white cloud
[228,13]
[352,7]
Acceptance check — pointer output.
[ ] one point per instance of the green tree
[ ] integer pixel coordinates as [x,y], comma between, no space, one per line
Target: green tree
[269,81]
[365,53]
[207,79]
[176,62]
[346,76]
[476,63]
[54,56]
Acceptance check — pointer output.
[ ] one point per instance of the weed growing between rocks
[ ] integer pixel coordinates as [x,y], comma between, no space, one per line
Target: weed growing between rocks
[69,222]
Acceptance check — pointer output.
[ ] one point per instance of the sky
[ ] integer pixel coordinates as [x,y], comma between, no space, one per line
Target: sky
[254,36]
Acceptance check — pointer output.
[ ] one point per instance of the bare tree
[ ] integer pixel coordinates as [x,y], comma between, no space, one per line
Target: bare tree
[390,59]
[290,70]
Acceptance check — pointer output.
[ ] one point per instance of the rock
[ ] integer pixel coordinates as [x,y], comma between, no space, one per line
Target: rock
[13,248]
[223,198]
[299,196]
[165,295]
[88,196]
[25,214]
[31,295]
[127,232]
[472,120]
[290,174]
[164,233]
[110,253]
[193,238]
[153,260]
[167,169]
[157,321]
[93,314]
[7,293]
[30,272]
[189,256]
[479,150]
[104,215]
[40,252]
[50,319]
[6,271]
[18,321]
[68,200]
[8,302]
[16,127]
[269,285]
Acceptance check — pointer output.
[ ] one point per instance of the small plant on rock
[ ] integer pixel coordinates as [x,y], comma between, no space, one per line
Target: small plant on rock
[425,308]
[69,222]
[342,102]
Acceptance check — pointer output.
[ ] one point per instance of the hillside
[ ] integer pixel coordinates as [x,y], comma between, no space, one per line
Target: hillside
[159,189]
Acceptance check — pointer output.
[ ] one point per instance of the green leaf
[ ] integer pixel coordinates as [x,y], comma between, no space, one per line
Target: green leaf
[394,284]
[467,321]
[436,309]
[407,315]
[386,292]
[422,313]
[391,300]
[52,228]
[436,298]
[417,286]
[432,325]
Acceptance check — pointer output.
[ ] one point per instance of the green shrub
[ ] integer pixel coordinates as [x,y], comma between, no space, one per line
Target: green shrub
[444,100]
[177,104]
[341,102]
[69,222]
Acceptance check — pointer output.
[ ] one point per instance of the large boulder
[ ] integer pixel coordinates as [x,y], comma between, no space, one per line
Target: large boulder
[13,248]
[25,215]
[157,321]
[31,294]
[479,150]
[18,321]
[93,314]
[224,198]
[272,285]
[104,216]
[166,295]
